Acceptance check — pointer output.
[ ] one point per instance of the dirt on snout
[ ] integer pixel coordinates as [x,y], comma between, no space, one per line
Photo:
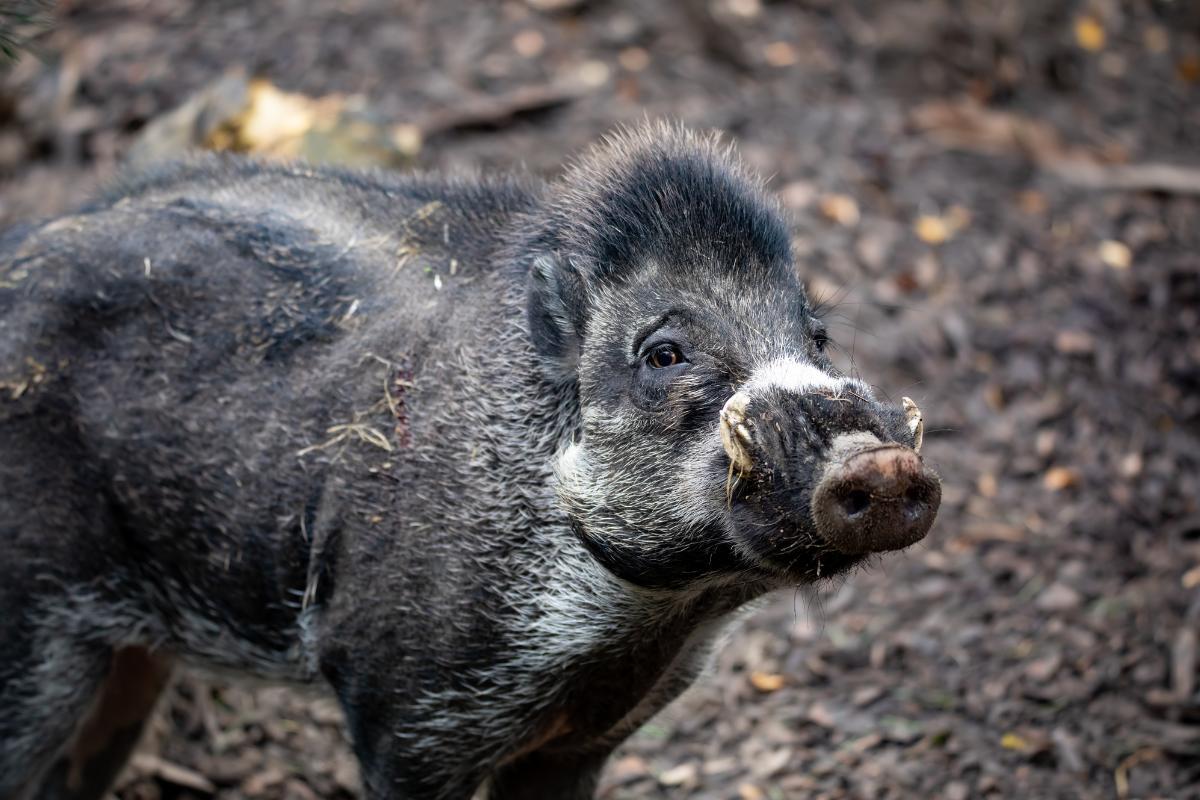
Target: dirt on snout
[1000,204]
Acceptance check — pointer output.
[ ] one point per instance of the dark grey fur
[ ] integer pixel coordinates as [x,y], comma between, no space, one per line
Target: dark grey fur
[397,436]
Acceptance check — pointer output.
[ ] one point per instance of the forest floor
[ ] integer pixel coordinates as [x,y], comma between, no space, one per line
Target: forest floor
[978,191]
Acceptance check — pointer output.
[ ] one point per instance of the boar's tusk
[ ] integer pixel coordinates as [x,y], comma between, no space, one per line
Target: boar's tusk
[916,423]
[734,433]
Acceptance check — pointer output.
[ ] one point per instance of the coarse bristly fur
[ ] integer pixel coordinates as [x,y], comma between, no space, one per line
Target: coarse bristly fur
[406,438]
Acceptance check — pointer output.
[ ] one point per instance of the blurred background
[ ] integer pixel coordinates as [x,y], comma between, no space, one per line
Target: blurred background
[998,201]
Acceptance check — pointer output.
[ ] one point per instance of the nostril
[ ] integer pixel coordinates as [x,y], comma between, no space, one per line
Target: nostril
[856,502]
[917,505]
[914,496]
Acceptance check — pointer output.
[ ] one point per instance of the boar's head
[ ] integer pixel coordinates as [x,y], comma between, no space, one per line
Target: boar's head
[716,438]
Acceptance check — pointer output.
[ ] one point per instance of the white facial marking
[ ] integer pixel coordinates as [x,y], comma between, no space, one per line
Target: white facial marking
[793,376]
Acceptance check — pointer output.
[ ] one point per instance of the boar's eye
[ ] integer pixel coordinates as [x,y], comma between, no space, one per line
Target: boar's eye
[663,356]
[820,334]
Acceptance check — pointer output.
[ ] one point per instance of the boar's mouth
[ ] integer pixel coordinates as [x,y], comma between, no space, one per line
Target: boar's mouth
[870,496]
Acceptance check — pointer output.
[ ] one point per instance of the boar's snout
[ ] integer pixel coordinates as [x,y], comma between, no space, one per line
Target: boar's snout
[874,497]
[827,464]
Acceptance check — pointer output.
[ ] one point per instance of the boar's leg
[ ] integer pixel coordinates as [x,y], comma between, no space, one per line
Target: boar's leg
[44,692]
[71,708]
[60,557]
[103,742]
[541,775]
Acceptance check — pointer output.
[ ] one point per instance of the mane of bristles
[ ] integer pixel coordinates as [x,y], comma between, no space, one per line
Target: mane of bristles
[659,191]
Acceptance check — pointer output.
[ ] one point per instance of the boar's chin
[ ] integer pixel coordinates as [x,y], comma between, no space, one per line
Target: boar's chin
[813,567]
[790,554]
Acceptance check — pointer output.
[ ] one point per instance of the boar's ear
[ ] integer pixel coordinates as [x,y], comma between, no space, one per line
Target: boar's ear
[555,308]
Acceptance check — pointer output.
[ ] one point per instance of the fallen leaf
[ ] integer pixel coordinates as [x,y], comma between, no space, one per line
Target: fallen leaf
[407,139]
[1131,465]
[958,217]
[258,783]
[628,768]
[864,743]
[1188,69]
[931,230]
[780,54]
[346,774]
[297,789]
[1043,669]
[868,694]
[201,121]
[677,776]
[767,681]
[634,59]
[956,790]
[820,714]
[901,730]
[1089,33]
[748,791]
[275,120]
[1058,597]
[718,766]
[745,8]
[1058,478]
[1074,343]
[906,282]
[1028,741]
[841,209]
[593,73]
[993,395]
[1115,254]
[766,765]
[529,43]
[1191,578]
[1121,773]
[1032,201]
[1011,741]
[798,194]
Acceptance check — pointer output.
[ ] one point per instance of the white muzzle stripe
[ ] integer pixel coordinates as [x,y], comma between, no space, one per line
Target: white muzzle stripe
[792,375]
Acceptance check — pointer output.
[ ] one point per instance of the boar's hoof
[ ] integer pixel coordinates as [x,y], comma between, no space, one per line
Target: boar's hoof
[916,423]
[874,498]
[735,435]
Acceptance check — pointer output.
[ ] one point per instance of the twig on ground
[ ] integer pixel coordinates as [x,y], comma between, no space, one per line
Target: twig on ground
[968,125]
[1167,178]
[494,112]
[158,767]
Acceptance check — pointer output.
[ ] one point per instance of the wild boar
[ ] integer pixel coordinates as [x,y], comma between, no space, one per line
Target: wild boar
[492,460]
